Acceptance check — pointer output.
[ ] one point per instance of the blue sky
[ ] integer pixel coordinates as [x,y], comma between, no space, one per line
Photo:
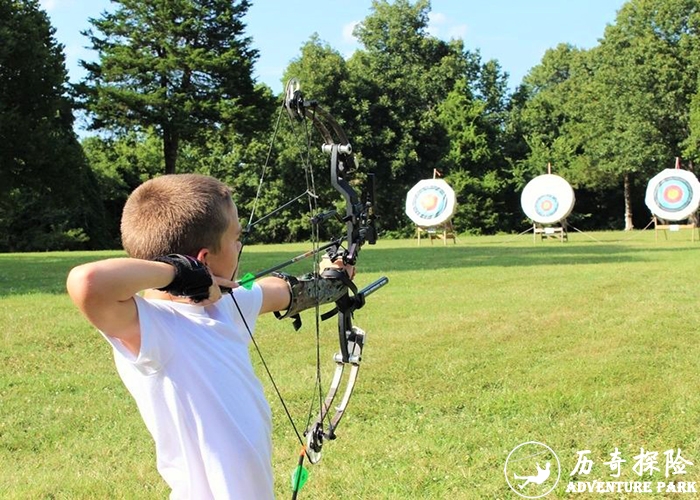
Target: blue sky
[515,32]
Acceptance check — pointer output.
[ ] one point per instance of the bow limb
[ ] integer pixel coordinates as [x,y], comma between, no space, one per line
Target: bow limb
[359,216]
[352,341]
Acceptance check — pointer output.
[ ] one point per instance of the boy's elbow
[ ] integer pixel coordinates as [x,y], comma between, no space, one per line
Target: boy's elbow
[78,284]
[89,288]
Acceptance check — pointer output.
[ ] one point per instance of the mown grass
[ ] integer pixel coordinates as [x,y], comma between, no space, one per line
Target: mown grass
[472,349]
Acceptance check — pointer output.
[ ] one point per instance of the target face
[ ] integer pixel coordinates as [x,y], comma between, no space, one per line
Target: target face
[547,199]
[430,202]
[673,194]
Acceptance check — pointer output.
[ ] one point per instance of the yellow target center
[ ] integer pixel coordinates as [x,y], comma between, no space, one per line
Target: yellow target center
[673,194]
[546,205]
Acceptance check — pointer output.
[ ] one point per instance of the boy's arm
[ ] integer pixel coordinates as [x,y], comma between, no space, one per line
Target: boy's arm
[104,292]
[277,293]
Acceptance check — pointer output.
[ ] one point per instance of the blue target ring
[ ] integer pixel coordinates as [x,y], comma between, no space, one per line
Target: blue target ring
[673,194]
[546,205]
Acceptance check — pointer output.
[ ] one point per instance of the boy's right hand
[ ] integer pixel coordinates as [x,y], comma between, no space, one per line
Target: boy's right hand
[194,281]
[192,278]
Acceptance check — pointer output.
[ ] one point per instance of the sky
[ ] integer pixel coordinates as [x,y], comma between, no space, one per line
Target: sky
[514,32]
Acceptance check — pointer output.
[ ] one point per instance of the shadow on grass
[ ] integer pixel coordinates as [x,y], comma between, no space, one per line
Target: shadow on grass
[46,273]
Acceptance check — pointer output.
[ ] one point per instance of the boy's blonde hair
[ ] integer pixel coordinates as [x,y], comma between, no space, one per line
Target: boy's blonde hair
[179,213]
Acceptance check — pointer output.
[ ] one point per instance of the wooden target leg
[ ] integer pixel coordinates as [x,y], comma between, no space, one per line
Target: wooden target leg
[656,230]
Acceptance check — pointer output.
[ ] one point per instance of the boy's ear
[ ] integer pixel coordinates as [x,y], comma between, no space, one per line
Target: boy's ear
[202,255]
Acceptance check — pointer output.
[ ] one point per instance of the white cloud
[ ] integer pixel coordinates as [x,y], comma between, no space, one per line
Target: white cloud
[440,26]
[459,31]
[435,21]
[52,5]
[437,18]
[347,32]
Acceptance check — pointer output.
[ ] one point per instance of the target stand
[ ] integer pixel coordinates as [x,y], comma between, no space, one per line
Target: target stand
[442,232]
[553,232]
[673,196]
[662,225]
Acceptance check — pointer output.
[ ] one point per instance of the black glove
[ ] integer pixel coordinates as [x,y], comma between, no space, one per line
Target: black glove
[192,278]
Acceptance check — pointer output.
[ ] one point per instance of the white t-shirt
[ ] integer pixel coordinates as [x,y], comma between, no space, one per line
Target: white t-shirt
[197,392]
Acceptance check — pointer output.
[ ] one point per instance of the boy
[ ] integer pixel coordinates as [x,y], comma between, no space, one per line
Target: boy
[181,348]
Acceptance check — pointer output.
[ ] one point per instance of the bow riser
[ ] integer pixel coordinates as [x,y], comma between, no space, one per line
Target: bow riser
[353,207]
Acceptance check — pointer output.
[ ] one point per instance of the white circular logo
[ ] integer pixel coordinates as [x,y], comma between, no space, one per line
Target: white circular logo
[532,470]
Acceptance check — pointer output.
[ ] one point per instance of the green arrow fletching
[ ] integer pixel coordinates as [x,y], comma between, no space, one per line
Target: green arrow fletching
[299,477]
[247,281]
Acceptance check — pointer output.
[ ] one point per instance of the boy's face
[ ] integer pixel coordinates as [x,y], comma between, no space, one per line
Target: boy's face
[224,262]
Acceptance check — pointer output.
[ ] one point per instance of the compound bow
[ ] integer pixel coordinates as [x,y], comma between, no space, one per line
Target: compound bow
[359,229]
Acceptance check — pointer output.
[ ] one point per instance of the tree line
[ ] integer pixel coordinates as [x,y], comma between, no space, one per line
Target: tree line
[172,91]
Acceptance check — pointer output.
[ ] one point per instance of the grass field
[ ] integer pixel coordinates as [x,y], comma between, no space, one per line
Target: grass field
[472,350]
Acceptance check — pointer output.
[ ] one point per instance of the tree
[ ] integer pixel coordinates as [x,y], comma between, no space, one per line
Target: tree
[463,120]
[692,47]
[472,116]
[396,84]
[637,104]
[546,118]
[48,196]
[286,148]
[323,75]
[611,117]
[692,143]
[179,68]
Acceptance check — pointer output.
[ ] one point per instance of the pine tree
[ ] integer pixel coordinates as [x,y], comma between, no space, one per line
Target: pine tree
[181,68]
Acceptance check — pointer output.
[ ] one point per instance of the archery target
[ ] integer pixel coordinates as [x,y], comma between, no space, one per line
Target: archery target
[673,194]
[547,199]
[430,202]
